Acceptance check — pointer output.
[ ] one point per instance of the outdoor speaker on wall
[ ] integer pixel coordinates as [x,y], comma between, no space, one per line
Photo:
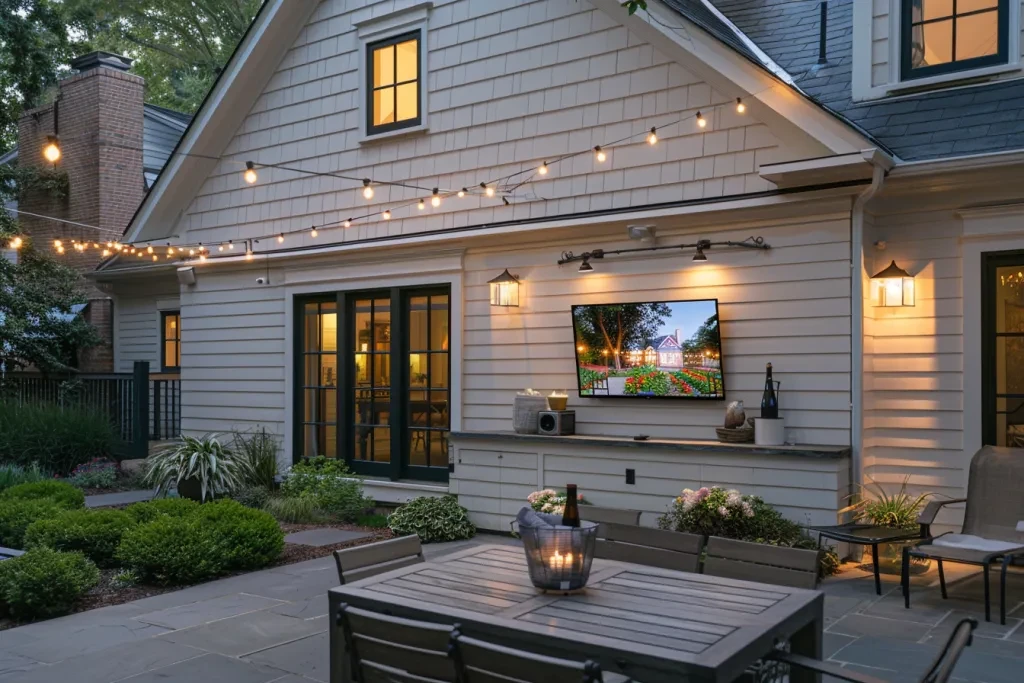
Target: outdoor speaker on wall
[187,275]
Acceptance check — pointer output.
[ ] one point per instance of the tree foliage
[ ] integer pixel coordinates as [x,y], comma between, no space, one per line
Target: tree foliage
[706,336]
[618,327]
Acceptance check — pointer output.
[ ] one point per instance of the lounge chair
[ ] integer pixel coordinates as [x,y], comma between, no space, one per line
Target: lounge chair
[995,507]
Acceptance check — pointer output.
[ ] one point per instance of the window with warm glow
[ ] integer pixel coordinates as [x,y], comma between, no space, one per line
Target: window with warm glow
[170,339]
[943,36]
[393,91]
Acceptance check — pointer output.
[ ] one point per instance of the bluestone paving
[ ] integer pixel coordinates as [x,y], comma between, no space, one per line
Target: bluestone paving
[270,627]
[120,498]
[324,536]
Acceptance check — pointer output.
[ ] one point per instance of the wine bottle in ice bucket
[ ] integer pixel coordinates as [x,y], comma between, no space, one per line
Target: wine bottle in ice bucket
[571,514]
[769,401]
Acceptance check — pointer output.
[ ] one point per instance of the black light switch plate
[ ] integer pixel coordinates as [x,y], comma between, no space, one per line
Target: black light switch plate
[630,476]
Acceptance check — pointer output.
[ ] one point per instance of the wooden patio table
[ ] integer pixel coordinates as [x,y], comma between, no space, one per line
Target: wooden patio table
[652,625]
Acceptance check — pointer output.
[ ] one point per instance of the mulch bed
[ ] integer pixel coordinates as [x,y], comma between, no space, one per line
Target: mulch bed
[106,593]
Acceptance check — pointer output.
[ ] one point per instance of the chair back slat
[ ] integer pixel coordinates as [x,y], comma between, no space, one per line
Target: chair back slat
[941,669]
[480,662]
[994,503]
[652,547]
[592,513]
[731,559]
[376,558]
[380,673]
[378,642]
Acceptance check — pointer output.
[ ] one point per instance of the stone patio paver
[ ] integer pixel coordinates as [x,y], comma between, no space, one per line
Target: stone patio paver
[324,536]
[102,500]
[271,627]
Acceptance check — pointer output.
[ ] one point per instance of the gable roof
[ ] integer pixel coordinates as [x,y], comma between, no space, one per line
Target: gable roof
[983,118]
[670,339]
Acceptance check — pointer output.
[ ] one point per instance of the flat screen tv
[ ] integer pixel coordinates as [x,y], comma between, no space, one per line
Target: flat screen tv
[659,349]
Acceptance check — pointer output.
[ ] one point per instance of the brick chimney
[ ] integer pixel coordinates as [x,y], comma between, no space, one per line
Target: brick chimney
[97,117]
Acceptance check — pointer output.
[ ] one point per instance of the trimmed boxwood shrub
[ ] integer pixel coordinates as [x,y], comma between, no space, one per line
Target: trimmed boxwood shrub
[95,533]
[434,520]
[56,437]
[17,515]
[170,551]
[171,507]
[44,582]
[245,538]
[61,493]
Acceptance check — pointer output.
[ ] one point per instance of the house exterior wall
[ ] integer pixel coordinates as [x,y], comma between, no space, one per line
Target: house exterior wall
[137,324]
[508,87]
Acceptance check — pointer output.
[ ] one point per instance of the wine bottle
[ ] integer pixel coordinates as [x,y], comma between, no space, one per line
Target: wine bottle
[571,514]
[769,401]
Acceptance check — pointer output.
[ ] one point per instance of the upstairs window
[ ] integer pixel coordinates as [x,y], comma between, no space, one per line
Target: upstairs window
[946,36]
[393,83]
[170,338]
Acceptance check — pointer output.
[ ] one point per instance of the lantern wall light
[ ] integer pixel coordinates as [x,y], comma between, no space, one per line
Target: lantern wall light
[893,287]
[505,290]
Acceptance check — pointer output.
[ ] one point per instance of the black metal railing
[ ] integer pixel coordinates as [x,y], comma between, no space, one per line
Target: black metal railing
[138,417]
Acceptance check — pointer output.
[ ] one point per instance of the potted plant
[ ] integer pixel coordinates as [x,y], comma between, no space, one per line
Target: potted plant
[899,510]
[198,468]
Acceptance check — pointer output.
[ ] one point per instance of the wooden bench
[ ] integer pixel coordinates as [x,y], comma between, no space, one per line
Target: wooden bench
[375,558]
[794,567]
[383,648]
[652,547]
[592,513]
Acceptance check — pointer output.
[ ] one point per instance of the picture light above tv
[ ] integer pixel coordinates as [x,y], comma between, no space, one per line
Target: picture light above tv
[658,349]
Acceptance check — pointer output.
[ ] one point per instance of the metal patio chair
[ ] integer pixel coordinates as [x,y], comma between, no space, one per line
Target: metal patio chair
[376,558]
[385,649]
[995,508]
[652,547]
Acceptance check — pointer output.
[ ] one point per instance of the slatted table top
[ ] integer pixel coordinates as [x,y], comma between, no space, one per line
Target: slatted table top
[649,623]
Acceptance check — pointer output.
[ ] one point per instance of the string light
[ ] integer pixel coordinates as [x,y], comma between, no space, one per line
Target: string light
[421,205]
[231,244]
[155,257]
[248,252]
[280,238]
[386,215]
[543,170]
[367,189]
[250,173]
[202,257]
[599,153]
[106,253]
[220,248]
[740,107]
[51,152]
[170,250]
[149,250]
[435,200]
[701,121]
[348,223]
[488,190]
[57,244]
[652,137]
[191,252]
[313,232]
[462,193]
[16,243]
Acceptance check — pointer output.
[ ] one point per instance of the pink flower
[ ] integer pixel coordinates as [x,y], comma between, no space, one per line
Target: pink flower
[722,510]
[579,496]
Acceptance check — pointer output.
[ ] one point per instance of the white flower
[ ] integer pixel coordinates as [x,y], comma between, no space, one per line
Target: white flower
[748,510]
[722,510]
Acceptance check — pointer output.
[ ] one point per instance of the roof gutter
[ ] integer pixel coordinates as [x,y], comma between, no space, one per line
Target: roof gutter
[908,169]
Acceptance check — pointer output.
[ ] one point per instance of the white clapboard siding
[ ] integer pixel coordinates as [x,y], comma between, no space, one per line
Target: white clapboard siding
[137,331]
[913,379]
[510,84]
[789,306]
[493,478]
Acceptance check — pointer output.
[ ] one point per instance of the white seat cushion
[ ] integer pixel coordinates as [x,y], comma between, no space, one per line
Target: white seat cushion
[968,542]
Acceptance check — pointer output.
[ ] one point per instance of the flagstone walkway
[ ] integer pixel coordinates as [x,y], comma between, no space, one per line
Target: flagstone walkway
[271,627]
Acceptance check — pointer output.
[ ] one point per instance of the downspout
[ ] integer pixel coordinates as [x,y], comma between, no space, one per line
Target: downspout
[881,164]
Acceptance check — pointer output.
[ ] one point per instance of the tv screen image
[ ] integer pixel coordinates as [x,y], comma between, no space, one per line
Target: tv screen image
[662,349]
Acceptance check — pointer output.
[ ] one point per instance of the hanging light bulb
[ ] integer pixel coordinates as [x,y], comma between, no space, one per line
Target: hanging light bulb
[170,250]
[149,250]
[435,199]
[110,245]
[543,170]
[202,248]
[599,153]
[118,246]
[488,190]
[220,248]
[191,252]
[387,214]
[106,253]
[701,121]
[202,257]
[313,232]
[740,107]
[250,173]
[60,250]
[16,243]
[367,189]
[280,237]
[155,257]
[347,223]
[421,205]
[51,152]
[462,193]
[652,137]
[248,251]
[57,244]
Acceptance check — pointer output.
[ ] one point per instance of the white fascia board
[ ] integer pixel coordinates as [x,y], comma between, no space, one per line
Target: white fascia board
[803,127]
[216,123]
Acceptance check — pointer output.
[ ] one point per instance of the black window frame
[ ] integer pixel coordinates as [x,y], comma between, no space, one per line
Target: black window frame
[990,263]
[400,432]
[909,72]
[164,315]
[372,129]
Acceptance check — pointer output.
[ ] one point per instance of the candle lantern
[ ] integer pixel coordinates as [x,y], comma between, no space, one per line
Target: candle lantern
[559,557]
[505,290]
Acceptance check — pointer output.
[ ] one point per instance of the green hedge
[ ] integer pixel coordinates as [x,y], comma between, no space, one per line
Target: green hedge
[56,438]
[434,520]
[245,538]
[44,582]
[170,550]
[94,533]
[17,515]
[170,507]
[61,493]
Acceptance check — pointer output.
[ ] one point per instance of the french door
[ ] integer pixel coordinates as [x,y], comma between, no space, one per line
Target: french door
[1002,360]
[391,411]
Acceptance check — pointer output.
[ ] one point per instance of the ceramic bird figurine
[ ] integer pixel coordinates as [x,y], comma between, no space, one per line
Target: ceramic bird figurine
[735,416]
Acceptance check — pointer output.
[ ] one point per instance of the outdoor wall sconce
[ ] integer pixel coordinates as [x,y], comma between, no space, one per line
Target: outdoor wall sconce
[699,247]
[505,290]
[893,287]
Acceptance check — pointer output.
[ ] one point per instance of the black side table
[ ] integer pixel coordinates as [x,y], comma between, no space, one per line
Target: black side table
[866,534]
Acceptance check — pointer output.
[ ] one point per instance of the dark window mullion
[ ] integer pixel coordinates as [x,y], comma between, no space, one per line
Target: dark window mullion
[399,384]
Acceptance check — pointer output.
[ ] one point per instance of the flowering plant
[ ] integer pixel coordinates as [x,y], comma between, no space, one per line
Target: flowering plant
[551,501]
[98,473]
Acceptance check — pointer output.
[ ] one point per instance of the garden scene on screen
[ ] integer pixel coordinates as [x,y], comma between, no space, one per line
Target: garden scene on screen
[670,349]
